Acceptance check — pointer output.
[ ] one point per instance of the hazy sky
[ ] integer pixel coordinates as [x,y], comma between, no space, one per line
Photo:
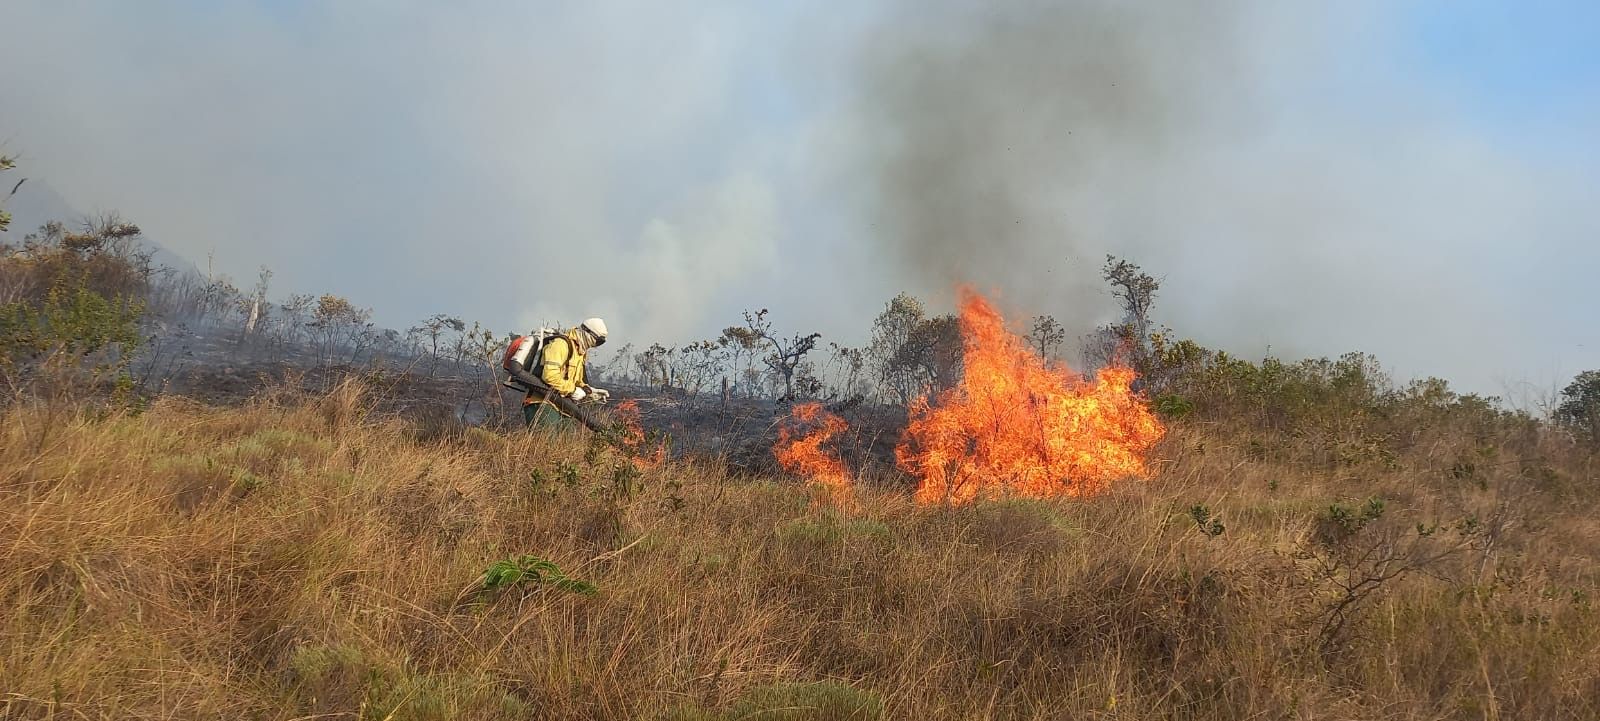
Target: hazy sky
[1413,179]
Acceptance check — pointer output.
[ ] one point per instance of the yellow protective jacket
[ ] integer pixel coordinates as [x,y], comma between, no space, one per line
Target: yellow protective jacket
[561,365]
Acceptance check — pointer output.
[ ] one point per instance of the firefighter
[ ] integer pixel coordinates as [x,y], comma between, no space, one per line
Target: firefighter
[553,395]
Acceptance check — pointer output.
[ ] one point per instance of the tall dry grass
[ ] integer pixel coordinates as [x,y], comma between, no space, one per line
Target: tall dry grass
[299,559]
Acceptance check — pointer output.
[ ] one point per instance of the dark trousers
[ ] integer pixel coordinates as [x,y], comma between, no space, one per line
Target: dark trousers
[544,416]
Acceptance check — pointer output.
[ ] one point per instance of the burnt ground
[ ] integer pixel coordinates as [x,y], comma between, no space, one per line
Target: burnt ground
[210,365]
[742,432]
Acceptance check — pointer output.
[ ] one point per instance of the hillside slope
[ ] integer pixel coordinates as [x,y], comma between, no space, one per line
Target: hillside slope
[301,558]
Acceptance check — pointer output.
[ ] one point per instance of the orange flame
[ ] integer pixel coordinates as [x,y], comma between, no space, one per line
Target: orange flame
[1020,425]
[803,456]
[634,442]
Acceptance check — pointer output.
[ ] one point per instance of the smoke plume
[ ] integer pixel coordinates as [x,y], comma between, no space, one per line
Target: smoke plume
[1002,131]
[1294,196]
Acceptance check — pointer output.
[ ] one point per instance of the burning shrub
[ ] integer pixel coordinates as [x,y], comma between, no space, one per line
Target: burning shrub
[645,450]
[1020,425]
[1015,424]
[804,456]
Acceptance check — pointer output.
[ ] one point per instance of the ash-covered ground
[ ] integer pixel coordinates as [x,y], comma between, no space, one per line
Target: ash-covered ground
[218,365]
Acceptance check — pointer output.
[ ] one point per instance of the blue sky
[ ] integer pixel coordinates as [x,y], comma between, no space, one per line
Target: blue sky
[1431,163]
[1514,65]
[1528,75]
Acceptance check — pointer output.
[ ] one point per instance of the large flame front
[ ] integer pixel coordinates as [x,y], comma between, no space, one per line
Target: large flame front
[1020,425]
[804,456]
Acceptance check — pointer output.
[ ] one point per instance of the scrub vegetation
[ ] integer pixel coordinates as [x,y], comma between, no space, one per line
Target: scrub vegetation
[1312,541]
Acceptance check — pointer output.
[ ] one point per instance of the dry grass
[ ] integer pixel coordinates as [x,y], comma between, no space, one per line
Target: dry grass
[295,559]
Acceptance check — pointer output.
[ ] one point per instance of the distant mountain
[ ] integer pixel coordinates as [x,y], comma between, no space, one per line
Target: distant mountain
[37,203]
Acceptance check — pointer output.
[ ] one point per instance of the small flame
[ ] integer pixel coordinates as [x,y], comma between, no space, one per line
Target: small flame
[803,455]
[1020,425]
[642,450]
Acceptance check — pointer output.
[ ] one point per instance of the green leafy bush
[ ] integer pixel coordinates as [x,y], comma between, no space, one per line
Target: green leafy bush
[72,321]
[1579,409]
[1203,519]
[532,570]
[77,303]
[1340,522]
[1172,405]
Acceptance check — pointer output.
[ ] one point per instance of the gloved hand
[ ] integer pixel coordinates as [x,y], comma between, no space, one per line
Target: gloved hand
[578,394]
[601,395]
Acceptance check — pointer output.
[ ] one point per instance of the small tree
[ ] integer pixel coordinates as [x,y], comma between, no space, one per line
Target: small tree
[1046,336]
[296,315]
[847,365]
[785,355]
[890,331]
[478,350]
[1135,289]
[742,344]
[656,365]
[1579,409]
[700,362]
[930,358]
[430,332]
[1129,339]
[337,324]
[751,379]
[806,382]
[616,369]
[217,298]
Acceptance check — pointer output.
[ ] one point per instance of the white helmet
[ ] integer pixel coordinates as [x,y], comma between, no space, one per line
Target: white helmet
[596,328]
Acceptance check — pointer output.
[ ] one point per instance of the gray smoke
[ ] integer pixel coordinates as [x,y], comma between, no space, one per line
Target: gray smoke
[999,131]
[1295,197]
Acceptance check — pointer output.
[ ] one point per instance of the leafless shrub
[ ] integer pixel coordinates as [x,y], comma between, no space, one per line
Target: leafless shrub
[785,355]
